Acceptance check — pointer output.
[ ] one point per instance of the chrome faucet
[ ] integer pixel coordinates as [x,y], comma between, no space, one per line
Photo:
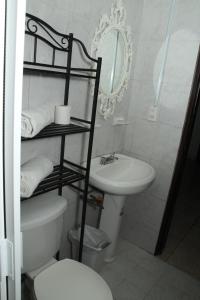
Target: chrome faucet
[108,159]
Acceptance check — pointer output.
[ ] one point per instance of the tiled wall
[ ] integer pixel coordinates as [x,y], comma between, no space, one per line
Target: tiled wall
[157,142]
[80,18]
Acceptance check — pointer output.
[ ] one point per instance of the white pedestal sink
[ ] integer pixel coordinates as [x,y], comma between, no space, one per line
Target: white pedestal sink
[124,176]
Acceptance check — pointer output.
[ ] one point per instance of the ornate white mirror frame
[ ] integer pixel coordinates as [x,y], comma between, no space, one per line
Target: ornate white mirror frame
[117,22]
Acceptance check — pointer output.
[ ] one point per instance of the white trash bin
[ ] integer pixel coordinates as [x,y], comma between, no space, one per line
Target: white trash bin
[95,243]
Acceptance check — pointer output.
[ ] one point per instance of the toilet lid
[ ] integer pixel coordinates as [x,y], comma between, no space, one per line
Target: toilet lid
[70,280]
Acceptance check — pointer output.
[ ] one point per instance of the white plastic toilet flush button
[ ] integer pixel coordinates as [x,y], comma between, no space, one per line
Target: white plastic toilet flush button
[70,280]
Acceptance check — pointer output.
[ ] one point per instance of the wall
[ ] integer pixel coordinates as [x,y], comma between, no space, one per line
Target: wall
[157,142]
[82,20]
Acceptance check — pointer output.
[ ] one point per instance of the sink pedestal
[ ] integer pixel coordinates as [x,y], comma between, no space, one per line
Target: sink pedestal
[111,221]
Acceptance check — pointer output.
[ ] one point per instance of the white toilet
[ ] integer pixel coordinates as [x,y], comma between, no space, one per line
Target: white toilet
[42,219]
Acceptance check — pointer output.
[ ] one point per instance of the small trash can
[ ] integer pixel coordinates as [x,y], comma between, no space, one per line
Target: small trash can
[95,243]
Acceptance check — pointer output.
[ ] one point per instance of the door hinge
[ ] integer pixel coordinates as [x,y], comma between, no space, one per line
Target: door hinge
[6,259]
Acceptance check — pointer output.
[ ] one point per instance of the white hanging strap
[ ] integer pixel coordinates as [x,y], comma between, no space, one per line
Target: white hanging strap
[166,48]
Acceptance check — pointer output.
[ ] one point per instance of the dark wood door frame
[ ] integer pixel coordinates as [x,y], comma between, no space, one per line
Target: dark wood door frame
[194,102]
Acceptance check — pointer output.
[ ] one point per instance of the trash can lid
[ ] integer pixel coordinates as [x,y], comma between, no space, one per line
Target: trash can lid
[71,280]
[94,238]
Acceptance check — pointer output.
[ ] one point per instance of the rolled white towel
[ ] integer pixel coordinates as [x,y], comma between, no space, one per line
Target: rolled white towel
[34,120]
[32,173]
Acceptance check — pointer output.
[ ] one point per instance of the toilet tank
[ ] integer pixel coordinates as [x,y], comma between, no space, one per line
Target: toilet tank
[41,225]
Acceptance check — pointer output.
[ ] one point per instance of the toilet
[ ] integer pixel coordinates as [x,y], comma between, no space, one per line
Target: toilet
[41,224]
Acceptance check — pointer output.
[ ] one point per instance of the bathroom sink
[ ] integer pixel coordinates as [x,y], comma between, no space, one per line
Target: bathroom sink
[123,176]
[118,178]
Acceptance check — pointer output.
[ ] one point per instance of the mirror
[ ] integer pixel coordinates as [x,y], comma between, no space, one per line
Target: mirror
[112,49]
[112,42]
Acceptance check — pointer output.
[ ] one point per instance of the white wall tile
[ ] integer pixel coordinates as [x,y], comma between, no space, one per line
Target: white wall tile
[144,209]
[128,142]
[104,140]
[161,184]
[45,90]
[158,143]
[146,58]
[140,235]
[143,138]
[181,59]
[186,16]
[118,141]
[155,18]
[173,104]
[167,139]
[142,96]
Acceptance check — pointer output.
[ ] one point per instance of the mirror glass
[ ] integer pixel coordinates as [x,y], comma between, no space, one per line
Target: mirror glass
[112,50]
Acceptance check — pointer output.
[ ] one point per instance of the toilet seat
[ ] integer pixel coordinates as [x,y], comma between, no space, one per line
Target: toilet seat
[70,280]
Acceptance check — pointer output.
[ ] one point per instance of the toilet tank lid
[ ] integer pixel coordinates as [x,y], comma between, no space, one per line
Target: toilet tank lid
[41,209]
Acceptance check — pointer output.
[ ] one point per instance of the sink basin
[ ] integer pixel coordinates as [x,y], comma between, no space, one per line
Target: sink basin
[124,176]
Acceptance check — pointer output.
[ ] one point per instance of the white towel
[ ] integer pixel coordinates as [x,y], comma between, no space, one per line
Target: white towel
[34,120]
[32,173]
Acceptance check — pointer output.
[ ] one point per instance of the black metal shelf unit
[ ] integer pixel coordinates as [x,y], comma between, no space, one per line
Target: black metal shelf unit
[62,175]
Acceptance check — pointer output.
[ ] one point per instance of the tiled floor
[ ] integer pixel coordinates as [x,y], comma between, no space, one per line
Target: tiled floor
[137,275]
[183,245]
[187,255]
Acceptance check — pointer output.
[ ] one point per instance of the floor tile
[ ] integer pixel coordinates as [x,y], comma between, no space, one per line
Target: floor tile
[182,249]
[174,278]
[143,279]
[112,278]
[164,293]
[141,258]
[137,275]
[127,291]
[187,255]
[141,271]
[171,245]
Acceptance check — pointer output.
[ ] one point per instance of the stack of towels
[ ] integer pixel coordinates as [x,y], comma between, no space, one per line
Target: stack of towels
[33,121]
[32,173]
[36,169]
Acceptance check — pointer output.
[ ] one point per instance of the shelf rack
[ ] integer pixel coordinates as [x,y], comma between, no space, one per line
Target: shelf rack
[53,130]
[62,175]
[59,177]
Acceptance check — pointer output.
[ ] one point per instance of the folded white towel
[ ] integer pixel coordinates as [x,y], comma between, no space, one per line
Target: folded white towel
[32,173]
[34,120]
